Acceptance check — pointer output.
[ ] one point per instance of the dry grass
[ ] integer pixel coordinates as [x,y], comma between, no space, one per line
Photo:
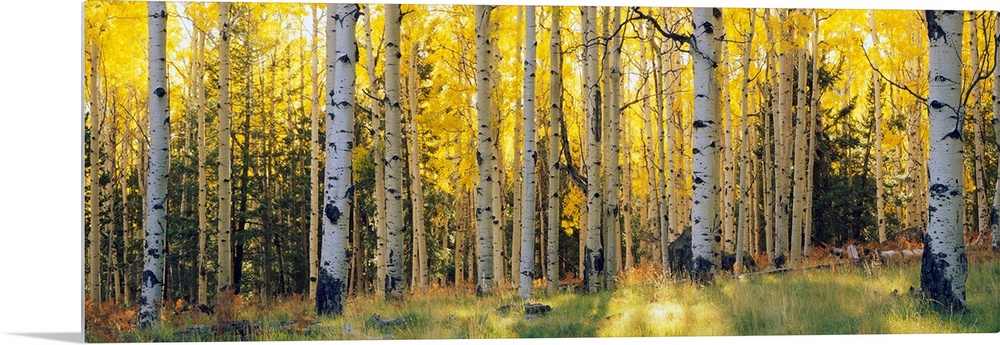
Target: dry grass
[841,300]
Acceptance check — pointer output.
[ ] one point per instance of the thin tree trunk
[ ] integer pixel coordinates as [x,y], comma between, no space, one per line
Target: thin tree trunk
[159,168]
[593,252]
[96,128]
[224,279]
[378,139]
[516,187]
[416,191]
[801,131]
[394,283]
[745,205]
[876,85]
[498,167]
[485,156]
[314,191]
[976,115]
[555,139]
[530,158]
[782,168]
[665,206]
[995,212]
[944,265]
[769,145]
[729,157]
[813,110]
[202,177]
[612,214]
[652,198]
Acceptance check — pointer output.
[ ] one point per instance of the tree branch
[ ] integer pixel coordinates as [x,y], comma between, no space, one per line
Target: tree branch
[890,81]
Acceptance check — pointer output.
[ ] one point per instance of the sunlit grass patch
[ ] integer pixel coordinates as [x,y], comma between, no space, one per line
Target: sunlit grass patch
[841,300]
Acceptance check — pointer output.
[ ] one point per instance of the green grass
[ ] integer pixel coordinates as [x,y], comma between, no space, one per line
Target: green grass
[842,300]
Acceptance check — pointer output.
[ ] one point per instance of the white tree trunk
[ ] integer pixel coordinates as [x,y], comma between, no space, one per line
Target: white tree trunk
[593,253]
[879,188]
[742,223]
[530,158]
[484,155]
[335,252]
[395,225]
[555,142]
[813,110]
[518,141]
[665,166]
[799,171]
[705,221]
[224,273]
[729,156]
[782,161]
[944,266]
[416,191]
[96,128]
[202,176]
[314,189]
[976,115]
[612,221]
[159,168]
[995,212]
[378,138]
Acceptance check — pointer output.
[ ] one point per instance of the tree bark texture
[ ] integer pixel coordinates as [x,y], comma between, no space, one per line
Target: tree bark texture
[705,213]
[944,264]
[159,159]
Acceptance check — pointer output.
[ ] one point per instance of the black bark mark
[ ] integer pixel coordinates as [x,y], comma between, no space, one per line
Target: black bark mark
[702,271]
[332,213]
[329,295]
[933,282]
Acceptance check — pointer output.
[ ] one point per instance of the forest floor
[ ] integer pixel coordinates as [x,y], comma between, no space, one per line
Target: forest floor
[862,298]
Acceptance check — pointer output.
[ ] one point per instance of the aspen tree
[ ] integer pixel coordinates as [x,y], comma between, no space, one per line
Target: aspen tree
[728,157]
[395,226]
[530,158]
[517,208]
[976,115]
[705,218]
[745,190]
[224,273]
[555,141]
[612,214]
[593,251]
[879,185]
[663,141]
[484,155]
[314,191]
[799,171]
[202,177]
[995,212]
[378,138]
[944,264]
[813,110]
[96,128]
[159,150]
[335,253]
[416,189]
